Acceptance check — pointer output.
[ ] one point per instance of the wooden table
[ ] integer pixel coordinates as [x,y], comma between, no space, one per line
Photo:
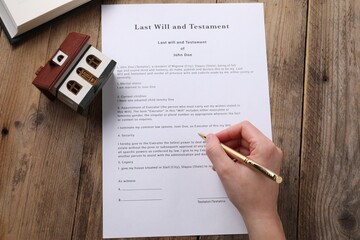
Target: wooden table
[50,167]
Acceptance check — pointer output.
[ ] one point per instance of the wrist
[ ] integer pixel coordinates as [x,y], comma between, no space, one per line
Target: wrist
[265,226]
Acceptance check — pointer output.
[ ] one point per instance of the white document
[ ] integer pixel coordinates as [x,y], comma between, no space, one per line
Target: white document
[181,69]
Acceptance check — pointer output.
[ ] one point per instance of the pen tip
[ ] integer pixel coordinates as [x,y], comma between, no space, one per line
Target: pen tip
[202,135]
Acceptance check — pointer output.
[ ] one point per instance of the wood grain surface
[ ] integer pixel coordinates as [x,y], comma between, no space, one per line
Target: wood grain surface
[330,162]
[50,156]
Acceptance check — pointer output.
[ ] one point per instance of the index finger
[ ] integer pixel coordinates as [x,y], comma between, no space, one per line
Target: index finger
[244,130]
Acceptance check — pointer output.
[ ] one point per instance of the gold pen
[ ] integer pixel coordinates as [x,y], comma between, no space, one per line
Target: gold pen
[238,156]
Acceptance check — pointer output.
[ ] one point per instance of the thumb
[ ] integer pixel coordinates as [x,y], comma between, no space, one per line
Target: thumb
[216,154]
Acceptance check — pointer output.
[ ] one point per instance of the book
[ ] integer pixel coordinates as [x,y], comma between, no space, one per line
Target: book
[181,69]
[18,17]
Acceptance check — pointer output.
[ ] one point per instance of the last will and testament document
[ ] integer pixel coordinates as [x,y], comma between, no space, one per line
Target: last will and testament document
[181,69]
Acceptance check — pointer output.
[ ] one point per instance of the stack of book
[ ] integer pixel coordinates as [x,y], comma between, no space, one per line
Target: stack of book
[18,17]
